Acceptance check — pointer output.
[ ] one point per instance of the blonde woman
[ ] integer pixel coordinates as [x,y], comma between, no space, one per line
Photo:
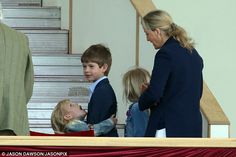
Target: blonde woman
[176,80]
[136,122]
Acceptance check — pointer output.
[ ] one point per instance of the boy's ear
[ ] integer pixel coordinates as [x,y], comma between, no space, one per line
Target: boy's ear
[104,67]
[67,117]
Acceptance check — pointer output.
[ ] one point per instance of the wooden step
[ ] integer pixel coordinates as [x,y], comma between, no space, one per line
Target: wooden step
[6,3]
[47,41]
[57,59]
[57,67]
[32,12]
[56,91]
[58,77]
[48,106]
[32,17]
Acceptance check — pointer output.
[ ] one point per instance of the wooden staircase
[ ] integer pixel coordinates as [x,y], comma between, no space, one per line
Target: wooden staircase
[42,25]
[58,75]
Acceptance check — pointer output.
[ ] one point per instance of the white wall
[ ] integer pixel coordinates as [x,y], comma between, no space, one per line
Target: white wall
[51,2]
[210,23]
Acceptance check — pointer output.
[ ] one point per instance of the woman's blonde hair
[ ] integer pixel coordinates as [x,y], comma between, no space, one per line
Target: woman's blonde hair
[133,81]
[162,20]
[57,118]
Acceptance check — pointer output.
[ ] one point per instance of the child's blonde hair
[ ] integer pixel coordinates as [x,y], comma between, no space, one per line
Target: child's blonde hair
[57,118]
[133,81]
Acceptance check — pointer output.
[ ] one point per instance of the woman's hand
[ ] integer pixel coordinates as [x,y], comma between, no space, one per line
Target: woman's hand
[114,119]
[144,86]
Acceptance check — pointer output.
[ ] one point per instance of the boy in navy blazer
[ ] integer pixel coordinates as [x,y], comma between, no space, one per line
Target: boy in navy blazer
[96,62]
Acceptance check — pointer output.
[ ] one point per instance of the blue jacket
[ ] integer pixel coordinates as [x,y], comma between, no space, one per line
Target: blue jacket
[99,129]
[102,105]
[174,92]
[136,121]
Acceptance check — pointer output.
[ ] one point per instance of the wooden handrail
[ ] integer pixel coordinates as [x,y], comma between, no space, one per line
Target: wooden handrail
[143,6]
[211,108]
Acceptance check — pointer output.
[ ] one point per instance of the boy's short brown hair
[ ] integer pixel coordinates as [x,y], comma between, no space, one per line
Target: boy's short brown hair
[98,54]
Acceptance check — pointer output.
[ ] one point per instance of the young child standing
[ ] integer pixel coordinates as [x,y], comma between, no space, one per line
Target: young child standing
[134,81]
[96,62]
[69,117]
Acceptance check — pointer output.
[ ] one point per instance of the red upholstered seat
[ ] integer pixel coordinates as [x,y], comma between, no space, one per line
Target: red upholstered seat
[81,133]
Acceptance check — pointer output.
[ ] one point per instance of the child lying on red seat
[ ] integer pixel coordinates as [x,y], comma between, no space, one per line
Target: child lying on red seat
[68,117]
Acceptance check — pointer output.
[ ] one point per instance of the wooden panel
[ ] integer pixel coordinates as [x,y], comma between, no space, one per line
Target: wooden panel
[119,142]
[143,6]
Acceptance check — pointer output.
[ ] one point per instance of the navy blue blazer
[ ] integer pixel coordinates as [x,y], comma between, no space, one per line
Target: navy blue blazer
[102,105]
[174,92]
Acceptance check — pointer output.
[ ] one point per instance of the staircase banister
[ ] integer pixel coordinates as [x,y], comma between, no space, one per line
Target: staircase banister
[211,108]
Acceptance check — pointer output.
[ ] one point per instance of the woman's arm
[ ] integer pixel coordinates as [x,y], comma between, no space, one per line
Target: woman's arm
[160,74]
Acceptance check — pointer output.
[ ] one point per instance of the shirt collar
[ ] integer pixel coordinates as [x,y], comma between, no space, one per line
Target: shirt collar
[94,84]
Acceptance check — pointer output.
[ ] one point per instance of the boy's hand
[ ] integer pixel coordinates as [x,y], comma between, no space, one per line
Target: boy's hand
[114,119]
[91,127]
